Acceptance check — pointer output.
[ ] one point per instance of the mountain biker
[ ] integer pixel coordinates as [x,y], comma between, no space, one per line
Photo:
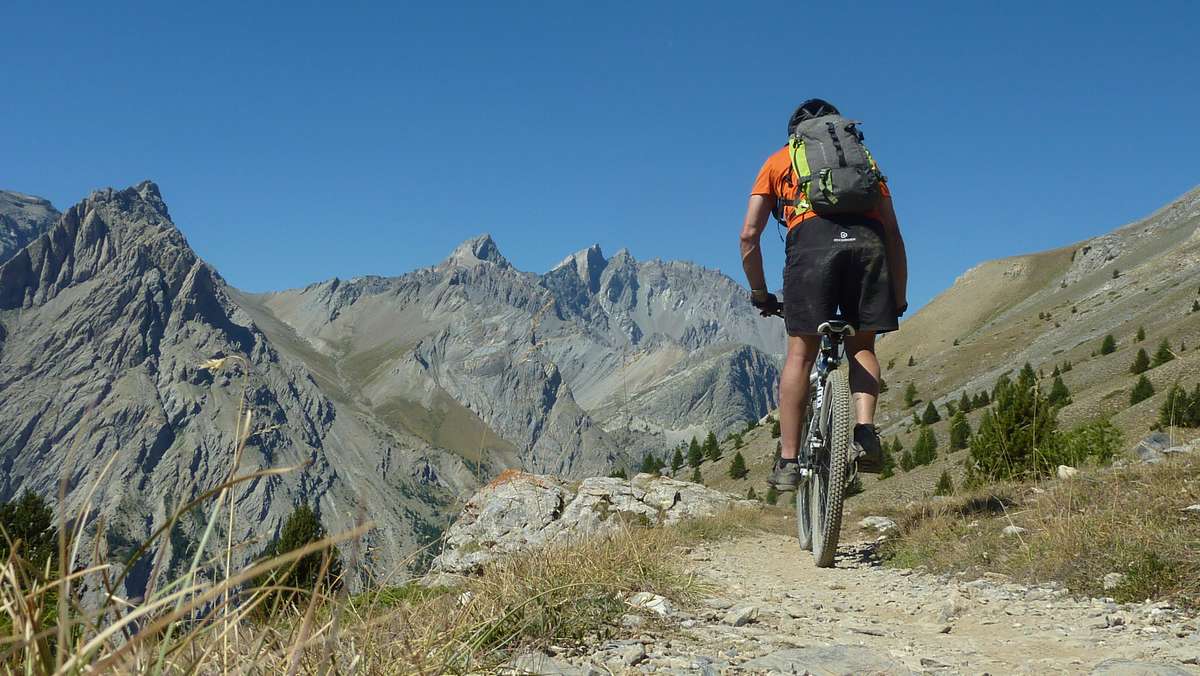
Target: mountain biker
[855,262]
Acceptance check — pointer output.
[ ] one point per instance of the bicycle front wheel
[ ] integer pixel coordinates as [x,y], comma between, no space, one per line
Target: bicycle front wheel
[827,487]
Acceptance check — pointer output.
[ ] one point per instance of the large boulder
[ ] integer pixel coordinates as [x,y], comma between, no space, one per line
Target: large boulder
[520,511]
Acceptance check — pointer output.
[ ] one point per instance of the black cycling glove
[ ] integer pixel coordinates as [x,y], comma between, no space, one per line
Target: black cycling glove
[766,304]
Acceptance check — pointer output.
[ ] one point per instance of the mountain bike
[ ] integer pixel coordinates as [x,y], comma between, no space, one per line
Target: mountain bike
[826,458]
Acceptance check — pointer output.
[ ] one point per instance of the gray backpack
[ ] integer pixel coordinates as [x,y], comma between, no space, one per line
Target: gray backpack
[834,170]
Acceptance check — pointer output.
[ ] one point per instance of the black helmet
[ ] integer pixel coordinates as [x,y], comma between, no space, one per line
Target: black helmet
[810,109]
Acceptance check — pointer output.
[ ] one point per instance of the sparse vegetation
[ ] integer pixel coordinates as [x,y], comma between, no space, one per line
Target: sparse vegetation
[28,529]
[618,473]
[1078,532]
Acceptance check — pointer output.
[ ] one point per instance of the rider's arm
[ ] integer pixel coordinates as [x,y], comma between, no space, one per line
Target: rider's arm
[757,213]
[897,259]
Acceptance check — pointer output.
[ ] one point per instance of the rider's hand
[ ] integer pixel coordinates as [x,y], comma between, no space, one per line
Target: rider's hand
[765,302]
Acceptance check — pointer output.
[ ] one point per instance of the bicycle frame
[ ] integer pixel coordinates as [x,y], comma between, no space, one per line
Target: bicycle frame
[827,362]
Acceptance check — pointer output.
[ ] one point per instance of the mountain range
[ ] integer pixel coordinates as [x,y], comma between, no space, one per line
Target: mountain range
[394,397]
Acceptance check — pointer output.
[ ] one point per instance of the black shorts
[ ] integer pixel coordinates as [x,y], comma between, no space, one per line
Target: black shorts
[837,266]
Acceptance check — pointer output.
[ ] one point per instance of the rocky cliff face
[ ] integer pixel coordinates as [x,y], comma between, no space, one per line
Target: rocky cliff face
[576,371]
[22,219]
[104,322]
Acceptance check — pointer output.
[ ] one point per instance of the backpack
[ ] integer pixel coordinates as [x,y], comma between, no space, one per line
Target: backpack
[834,170]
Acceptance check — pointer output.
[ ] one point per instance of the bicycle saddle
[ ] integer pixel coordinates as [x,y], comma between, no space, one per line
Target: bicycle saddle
[835,326]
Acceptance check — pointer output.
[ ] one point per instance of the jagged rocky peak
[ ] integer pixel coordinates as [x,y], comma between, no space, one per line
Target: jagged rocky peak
[481,249]
[23,218]
[588,263]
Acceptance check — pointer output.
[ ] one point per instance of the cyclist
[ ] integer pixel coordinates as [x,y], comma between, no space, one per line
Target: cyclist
[852,262]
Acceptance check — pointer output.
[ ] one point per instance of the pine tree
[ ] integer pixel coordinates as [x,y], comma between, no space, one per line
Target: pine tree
[618,473]
[695,454]
[1162,355]
[925,450]
[1175,408]
[951,408]
[1196,306]
[1141,334]
[1056,373]
[906,461]
[930,416]
[775,429]
[712,450]
[648,464]
[960,431]
[301,529]
[888,468]
[696,478]
[677,460]
[1142,390]
[1016,434]
[965,404]
[1067,366]
[911,361]
[772,495]
[29,521]
[1059,394]
[751,495]
[737,468]
[980,400]
[945,485]
[883,386]
[1108,345]
[1141,362]
[910,395]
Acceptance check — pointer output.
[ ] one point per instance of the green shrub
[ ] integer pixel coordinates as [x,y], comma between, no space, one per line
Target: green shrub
[29,524]
[1108,345]
[910,395]
[618,473]
[774,429]
[1141,333]
[925,450]
[772,495]
[751,495]
[1096,443]
[301,528]
[1142,390]
[1180,409]
[1059,394]
[965,404]
[1016,435]
[696,478]
[945,485]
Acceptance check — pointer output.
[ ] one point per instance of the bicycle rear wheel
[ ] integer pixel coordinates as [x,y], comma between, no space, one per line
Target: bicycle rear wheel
[827,487]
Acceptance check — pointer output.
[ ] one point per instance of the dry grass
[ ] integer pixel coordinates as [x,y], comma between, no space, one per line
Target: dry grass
[1127,520]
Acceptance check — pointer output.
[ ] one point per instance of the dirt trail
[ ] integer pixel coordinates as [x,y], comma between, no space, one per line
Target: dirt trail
[861,618]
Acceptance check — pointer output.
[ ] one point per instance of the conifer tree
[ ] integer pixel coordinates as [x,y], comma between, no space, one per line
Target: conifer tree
[1175,409]
[930,416]
[737,468]
[751,495]
[1142,390]
[945,485]
[618,473]
[695,454]
[1196,306]
[1059,394]
[775,429]
[925,450]
[1015,434]
[648,464]
[301,528]
[910,395]
[696,478]
[1108,345]
[29,521]
[888,468]
[1141,362]
[960,431]
[1162,355]
[677,460]
[1141,333]
[712,450]
[911,361]
[965,404]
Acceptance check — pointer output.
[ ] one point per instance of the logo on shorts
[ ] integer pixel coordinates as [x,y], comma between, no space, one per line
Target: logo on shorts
[844,236]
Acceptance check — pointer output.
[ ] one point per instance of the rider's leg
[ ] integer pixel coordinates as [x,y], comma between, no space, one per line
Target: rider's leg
[793,391]
[864,375]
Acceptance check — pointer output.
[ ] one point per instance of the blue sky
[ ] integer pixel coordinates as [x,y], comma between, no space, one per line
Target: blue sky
[296,143]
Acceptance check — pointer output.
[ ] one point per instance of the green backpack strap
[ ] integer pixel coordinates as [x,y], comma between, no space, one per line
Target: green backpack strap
[802,172]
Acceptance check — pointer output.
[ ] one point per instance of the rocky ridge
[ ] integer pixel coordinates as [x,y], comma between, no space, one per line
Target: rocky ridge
[22,219]
[105,321]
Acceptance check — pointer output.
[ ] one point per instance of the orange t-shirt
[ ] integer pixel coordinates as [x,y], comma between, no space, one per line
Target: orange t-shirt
[775,179]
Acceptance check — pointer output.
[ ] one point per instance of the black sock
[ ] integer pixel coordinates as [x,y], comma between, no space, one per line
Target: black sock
[785,461]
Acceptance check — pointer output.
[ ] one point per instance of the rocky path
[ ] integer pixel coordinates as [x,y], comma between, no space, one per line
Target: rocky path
[771,611]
